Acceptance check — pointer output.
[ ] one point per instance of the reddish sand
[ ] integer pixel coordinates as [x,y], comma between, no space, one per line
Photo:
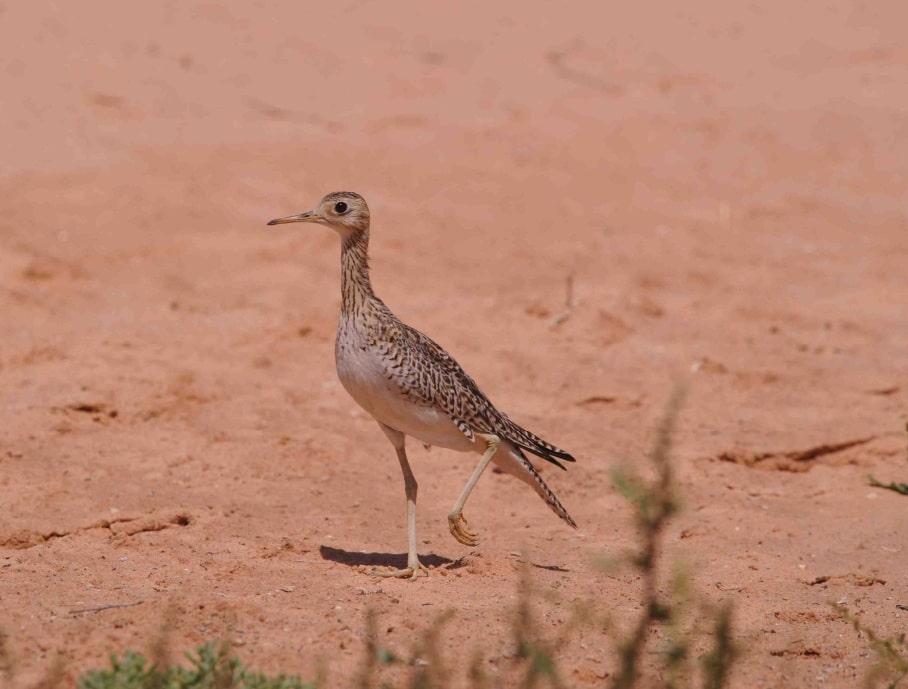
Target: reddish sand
[726,186]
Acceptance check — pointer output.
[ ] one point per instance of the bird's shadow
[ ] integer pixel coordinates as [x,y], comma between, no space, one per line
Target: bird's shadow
[357,559]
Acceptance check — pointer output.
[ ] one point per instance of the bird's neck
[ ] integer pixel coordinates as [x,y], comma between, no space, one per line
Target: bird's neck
[356,288]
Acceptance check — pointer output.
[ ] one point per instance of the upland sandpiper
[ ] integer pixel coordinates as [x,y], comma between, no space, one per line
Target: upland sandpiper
[411,386]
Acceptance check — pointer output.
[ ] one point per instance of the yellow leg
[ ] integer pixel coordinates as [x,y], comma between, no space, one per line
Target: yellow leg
[456,522]
[414,566]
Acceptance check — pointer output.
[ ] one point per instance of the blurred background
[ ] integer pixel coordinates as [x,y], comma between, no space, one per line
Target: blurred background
[583,202]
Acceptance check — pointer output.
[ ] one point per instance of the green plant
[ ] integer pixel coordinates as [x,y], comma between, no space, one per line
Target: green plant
[891,664]
[655,503]
[212,667]
[897,487]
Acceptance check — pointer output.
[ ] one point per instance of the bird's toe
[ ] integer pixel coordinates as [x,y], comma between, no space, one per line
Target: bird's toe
[458,526]
[411,572]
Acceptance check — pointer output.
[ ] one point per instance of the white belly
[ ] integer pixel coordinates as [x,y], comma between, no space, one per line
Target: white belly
[363,375]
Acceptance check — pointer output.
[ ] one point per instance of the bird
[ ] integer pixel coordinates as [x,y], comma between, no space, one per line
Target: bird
[412,387]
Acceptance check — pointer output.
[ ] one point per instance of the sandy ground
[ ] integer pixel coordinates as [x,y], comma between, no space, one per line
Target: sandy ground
[723,184]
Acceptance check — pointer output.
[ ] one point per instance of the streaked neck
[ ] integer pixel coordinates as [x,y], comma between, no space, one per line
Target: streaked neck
[356,288]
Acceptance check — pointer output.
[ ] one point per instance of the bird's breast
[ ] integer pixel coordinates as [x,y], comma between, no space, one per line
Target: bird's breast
[366,376]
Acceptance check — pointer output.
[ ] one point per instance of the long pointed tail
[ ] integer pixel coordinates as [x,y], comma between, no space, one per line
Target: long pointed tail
[533,443]
[511,459]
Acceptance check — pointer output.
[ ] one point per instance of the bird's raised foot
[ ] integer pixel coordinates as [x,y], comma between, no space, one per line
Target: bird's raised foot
[458,526]
[409,572]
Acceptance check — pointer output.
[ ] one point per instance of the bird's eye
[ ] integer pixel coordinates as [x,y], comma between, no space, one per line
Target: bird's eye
[340,207]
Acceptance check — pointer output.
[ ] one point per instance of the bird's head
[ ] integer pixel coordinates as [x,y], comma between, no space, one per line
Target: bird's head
[345,212]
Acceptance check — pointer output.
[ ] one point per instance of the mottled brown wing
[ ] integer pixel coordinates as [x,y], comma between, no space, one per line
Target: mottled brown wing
[443,383]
